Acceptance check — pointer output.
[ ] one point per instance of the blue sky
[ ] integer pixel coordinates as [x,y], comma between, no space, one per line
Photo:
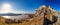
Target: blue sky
[30,5]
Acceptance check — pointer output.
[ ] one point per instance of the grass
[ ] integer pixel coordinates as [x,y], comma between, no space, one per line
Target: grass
[32,21]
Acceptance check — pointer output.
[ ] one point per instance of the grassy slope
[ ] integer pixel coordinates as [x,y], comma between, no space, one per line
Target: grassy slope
[58,22]
[32,21]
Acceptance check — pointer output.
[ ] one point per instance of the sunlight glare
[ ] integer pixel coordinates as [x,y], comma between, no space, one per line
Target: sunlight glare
[6,7]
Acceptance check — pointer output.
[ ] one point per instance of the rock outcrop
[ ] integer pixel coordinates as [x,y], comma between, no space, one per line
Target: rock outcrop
[47,15]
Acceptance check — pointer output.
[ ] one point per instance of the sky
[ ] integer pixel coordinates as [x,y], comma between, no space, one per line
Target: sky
[26,6]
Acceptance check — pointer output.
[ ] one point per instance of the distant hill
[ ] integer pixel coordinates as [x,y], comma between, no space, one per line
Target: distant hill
[9,14]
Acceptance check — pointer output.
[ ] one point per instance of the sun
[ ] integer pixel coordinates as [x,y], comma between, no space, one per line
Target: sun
[6,7]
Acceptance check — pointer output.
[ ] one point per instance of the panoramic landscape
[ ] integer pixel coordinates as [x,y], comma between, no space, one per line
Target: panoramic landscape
[43,16]
[29,12]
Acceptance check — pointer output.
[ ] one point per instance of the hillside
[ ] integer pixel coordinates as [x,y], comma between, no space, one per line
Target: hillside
[42,14]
